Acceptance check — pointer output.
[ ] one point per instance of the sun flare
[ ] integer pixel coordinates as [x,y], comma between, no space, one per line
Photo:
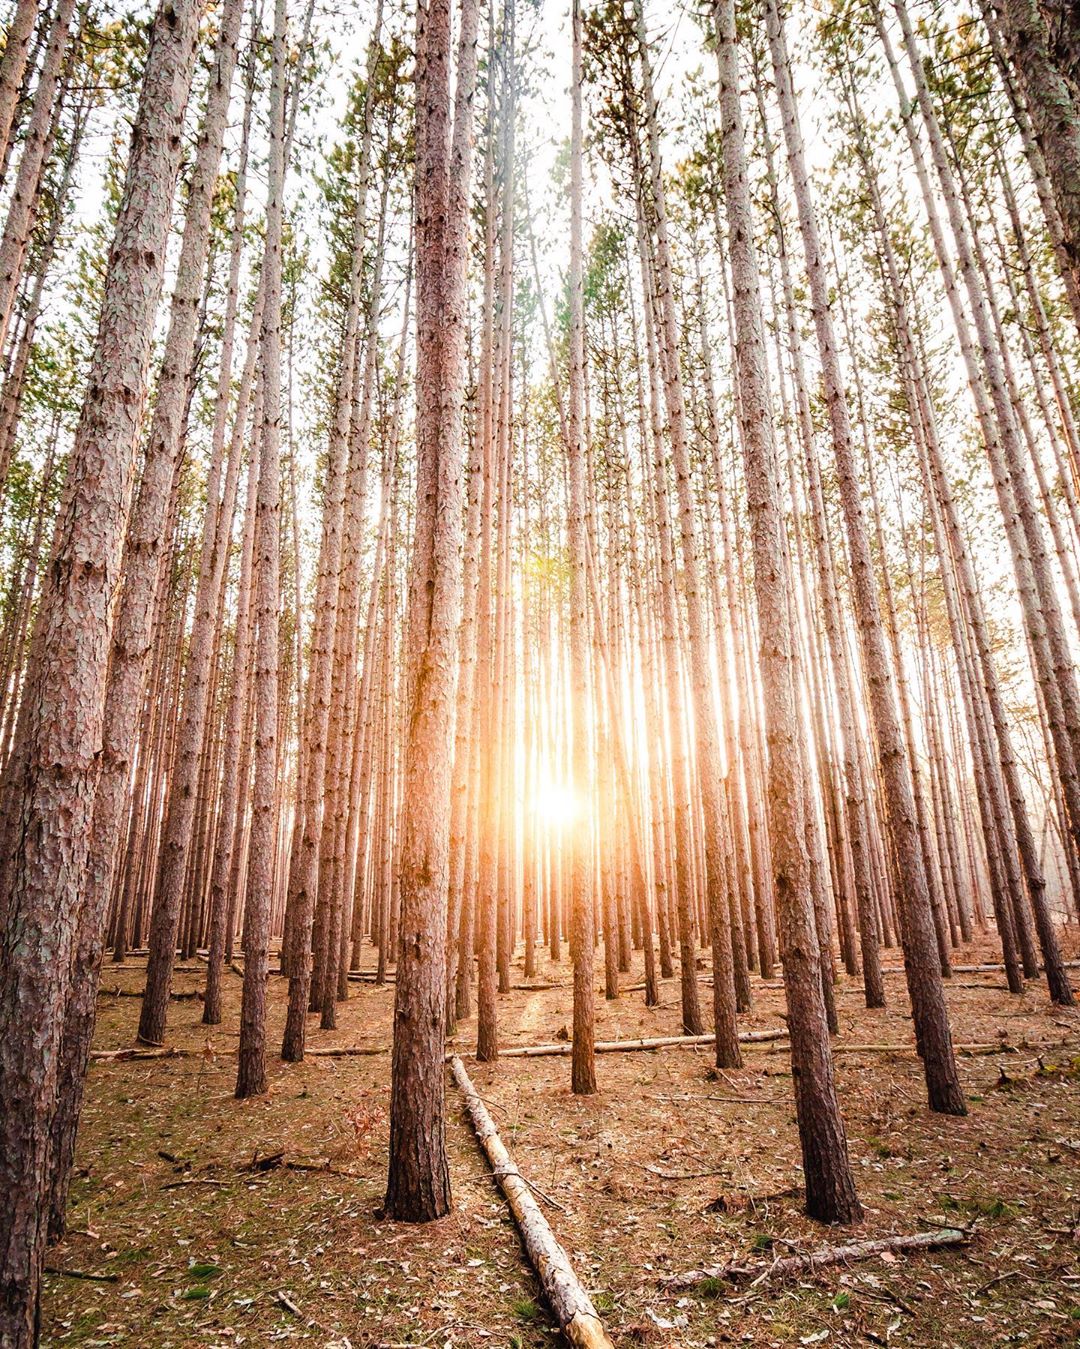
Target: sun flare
[555,804]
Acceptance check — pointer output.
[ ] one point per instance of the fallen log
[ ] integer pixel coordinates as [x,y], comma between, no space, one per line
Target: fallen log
[573,1308]
[323,1170]
[564,1048]
[232,965]
[826,1255]
[122,1055]
[141,965]
[346,1051]
[177,996]
[971,1050]
[978,969]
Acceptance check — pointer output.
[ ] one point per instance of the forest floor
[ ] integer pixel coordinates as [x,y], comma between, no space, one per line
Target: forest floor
[671,1167]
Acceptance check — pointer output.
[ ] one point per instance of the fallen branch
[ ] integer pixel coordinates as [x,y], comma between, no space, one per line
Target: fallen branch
[232,965]
[565,1048]
[827,1255]
[285,1301]
[346,1051]
[141,965]
[138,993]
[572,1306]
[679,1175]
[265,1163]
[977,969]
[839,1047]
[82,1274]
[118,1055]
[273,1160]
[322,1169]
[289,1305]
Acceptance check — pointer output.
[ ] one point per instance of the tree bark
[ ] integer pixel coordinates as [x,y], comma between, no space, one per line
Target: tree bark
[830,1188]
[583,1064]
[251,1069]
[134,632]
[911,883]
[1052,102]
[418,1187]
[49,780]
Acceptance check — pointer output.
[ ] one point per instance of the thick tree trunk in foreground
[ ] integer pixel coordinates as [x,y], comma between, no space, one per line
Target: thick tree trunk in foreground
[143,557]
[418,1187]
[830,1188]
[49,782]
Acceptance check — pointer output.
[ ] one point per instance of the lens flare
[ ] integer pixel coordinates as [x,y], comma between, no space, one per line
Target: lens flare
[555,803]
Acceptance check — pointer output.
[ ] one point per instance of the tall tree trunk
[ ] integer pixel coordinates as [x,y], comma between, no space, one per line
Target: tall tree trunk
[304,860]
[583,1061]
[251,1068]
[135,626]
[418,1187]
[23,207]
[49,780]
[911,886]
[830,1188]
[720,902]
[13,65]
[1053,103]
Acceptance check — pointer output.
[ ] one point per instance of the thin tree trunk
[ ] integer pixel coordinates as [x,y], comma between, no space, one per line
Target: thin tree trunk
[830,1188]
[251,1068]
[911,881]
[583,1062]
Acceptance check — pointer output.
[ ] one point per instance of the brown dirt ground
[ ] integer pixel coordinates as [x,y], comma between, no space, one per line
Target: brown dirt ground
[206,1252]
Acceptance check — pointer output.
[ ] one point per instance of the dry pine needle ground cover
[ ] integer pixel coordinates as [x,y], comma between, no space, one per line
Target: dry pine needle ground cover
[204,1225]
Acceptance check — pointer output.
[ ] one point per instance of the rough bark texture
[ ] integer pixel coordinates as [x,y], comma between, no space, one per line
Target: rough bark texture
[583,1065]
[13,64]
[911,883]
[830,1188]
[251,1070]
[22,209]
[418,1188]
[50,777]
[1054,110]
[143,557]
